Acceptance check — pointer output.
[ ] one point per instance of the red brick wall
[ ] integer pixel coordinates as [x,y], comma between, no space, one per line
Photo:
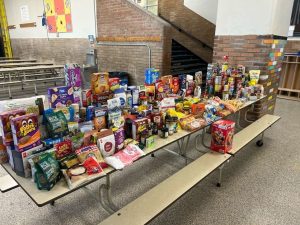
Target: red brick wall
[121,18]
[255,52]
[58,51]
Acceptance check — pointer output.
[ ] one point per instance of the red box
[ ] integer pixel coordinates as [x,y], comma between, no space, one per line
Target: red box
[222,133]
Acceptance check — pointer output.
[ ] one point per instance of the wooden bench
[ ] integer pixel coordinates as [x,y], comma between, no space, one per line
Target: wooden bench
[152,203]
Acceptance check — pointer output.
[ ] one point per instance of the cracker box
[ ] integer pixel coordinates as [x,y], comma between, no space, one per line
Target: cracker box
[5,128]
[86,97]
[25,131]
[60,96]
[222,133]
[20,161]
[100,83]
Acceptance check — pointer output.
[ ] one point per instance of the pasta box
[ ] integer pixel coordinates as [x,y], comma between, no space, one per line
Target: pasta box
[25,131]
[60,96]
[5,127]
[222,133]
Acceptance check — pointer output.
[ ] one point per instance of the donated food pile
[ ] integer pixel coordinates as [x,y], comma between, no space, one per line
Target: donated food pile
[81,132]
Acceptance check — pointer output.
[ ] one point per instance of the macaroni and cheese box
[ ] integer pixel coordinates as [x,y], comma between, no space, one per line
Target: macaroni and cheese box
[60,96]
[25,131]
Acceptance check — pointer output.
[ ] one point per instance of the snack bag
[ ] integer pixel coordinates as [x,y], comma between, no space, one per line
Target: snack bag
[100,83]
[47,172]
[60,96]
[222,133]
[106,143]
[63,149]
[5,128]
[254,77]
[92,166]
[26,132]
[90,151]
[56,124]
[114,83]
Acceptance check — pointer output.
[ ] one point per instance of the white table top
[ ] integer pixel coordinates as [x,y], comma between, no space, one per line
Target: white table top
[61,189]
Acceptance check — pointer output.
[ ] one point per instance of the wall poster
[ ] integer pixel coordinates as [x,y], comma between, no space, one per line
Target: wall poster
[58,14]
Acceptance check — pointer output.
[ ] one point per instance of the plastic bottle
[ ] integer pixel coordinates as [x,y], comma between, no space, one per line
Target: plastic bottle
[129,99]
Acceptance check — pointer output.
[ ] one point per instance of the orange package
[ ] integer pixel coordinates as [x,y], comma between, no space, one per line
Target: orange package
[100,83]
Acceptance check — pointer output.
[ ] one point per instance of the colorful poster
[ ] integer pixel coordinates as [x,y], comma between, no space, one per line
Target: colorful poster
[58,13]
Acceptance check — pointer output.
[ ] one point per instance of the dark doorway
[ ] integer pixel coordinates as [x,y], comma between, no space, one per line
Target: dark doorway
[2,53]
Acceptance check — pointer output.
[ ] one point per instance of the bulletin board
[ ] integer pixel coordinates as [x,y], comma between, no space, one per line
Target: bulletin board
[58,14]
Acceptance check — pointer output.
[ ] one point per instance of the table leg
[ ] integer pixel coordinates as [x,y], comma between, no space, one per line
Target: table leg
[220,175]
[106,200]
[260,142]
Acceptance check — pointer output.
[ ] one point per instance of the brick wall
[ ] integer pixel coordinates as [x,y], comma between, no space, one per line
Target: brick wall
[292,46]
[255,52]
[58,51]
[121,18]
[189,21]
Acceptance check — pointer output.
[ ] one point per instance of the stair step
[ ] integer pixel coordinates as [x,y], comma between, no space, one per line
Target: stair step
[189,66]
[191,72]
[178,57]
[185,61]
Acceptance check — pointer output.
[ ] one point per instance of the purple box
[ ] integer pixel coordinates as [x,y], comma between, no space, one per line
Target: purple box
[60,96]
[26,132]
[5,127]
[73,79]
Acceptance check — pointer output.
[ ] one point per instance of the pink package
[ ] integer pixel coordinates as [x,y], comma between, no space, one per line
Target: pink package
[124,157]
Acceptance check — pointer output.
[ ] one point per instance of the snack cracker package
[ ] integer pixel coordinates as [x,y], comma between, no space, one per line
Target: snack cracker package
[222,133]
[26,132]
[60,96]
[73,79]
[106,143]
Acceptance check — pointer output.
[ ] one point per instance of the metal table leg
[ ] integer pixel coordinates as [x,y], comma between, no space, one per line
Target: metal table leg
[109,205]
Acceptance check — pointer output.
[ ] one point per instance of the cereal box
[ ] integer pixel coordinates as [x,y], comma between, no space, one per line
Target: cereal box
[100,83]
[222,133]
[60,96]
[25,131]
[5,128]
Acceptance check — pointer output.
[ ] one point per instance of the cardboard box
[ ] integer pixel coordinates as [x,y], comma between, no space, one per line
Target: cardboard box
[5,128]
[26,132]
[100,83]
[60,96]
[138,127]
[222,133]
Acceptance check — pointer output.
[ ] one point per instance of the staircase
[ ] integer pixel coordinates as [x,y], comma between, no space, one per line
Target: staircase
[184,61]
